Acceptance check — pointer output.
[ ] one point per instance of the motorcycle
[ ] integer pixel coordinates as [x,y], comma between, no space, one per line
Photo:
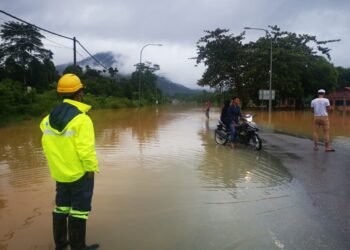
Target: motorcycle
[247,133]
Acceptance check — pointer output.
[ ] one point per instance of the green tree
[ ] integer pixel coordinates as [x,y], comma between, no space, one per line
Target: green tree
[319,73]
[10,97]
[74,70]
[40,74]
[243,69]
[223,55]
[112,71]
[21,45]
[343,78]
[301,65]
[145,73]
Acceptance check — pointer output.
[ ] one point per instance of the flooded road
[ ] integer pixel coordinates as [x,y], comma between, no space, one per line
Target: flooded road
[165,184]
[300,122]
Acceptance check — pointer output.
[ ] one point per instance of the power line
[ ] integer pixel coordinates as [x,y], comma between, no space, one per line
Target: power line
[56,34]
[53,33]
[83,57]
[63,46]
[55,46]
[92,55]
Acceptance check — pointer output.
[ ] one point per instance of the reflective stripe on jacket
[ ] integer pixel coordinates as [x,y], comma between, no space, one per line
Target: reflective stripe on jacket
[69,141]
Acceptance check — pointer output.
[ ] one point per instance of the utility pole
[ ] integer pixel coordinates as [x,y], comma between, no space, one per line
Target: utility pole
[268,35]
[149,44]
[74,52]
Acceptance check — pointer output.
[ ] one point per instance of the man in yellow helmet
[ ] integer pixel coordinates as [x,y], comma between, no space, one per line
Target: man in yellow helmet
[69,146]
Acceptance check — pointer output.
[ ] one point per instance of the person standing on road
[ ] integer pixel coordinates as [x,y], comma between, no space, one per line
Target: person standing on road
[234,113]
[320,107]
[68,143]
[207,108]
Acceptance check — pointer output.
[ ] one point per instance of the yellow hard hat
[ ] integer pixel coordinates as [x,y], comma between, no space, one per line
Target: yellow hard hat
[69,83]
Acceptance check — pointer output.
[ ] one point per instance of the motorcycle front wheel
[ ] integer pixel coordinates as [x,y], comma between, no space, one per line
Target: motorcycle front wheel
[257,143]
[220,137]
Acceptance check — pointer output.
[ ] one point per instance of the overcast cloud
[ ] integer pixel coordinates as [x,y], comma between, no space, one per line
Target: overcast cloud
[123,27]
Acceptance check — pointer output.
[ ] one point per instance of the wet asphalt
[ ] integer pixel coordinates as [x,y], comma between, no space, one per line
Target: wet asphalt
[325,177]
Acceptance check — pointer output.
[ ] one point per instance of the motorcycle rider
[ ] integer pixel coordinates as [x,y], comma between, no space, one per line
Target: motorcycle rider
[224,113]
[234,113]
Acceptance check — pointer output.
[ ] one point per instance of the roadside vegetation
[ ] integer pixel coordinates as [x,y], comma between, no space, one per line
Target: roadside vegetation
[28,78]
[301,65]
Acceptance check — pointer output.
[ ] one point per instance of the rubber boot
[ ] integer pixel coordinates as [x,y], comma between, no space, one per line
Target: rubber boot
[77,232]
[60,231]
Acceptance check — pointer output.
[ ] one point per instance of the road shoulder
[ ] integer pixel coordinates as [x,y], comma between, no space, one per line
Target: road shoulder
[324,175]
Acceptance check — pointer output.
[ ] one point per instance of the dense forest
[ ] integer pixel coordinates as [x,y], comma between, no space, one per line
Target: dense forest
[301,65]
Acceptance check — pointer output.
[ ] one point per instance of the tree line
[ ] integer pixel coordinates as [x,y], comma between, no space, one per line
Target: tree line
[301,65]
[28,77]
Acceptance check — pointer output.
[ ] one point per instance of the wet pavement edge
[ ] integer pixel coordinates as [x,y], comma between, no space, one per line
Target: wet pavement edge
[324,175]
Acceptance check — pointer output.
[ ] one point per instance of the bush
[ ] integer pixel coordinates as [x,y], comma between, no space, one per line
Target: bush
[11,98]
[95,102]
[115,102]
[110,102]
[43,103]
[16,103]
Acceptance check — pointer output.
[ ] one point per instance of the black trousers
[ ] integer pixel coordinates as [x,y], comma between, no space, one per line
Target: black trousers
[74,199]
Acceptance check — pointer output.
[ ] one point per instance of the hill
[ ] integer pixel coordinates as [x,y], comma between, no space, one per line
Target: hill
[109,59]
[170,88]
[106,58]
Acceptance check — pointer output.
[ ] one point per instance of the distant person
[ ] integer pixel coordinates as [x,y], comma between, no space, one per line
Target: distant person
[69,146]
[320,108]
[234,114]
[207,108]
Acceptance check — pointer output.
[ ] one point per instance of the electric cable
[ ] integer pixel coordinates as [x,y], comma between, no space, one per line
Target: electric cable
[48,31]
[91,55]
[56,34]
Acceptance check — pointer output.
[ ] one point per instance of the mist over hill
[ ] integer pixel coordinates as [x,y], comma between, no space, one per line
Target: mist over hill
[110,59]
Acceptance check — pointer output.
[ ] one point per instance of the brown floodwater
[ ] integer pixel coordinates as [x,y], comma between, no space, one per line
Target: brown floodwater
[165,184]
[300,122]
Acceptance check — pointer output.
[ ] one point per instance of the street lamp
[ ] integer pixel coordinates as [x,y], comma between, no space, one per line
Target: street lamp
[149,44]
[270,83]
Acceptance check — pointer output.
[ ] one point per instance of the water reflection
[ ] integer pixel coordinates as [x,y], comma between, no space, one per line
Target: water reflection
[20,151]
[237,171]
[148,137]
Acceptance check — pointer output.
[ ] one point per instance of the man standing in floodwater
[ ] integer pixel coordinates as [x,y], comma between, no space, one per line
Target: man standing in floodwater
[69,145]
[320,108]
[207,108]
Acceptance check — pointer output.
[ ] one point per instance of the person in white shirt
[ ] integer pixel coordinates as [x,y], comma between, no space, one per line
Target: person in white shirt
[320,107]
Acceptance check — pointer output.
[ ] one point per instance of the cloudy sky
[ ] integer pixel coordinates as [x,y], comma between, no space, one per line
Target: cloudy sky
[123,27]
